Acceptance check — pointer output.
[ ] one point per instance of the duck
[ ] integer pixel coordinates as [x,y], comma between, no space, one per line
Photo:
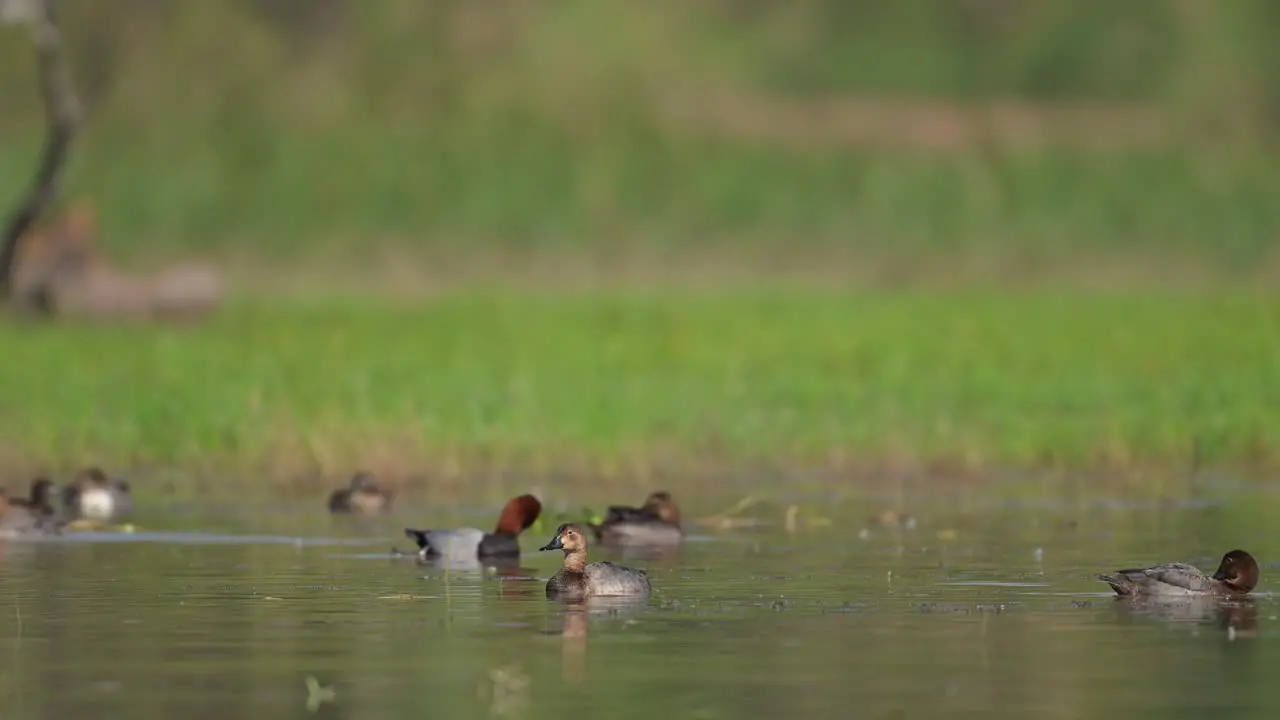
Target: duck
[656,522]
[467,545]
[1237,575]
[18,519]
[94,496]
[578,580]
[39,498]
[361,496]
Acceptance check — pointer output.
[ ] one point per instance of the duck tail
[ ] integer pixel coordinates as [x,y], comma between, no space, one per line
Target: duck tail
[419,537]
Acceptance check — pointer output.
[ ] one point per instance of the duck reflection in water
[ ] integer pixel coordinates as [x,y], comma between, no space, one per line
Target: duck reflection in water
[579,613]
[1236,618]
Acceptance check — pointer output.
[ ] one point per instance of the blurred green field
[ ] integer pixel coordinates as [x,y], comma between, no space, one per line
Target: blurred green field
[998,140]
[629,385]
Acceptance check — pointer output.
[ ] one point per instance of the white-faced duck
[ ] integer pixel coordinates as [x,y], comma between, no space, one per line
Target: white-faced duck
[466,545]
[657,522]
[579,580]
[1237,575]
[94,496]
[362,496]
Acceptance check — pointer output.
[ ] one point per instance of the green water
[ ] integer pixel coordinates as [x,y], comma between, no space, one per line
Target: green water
[986,608]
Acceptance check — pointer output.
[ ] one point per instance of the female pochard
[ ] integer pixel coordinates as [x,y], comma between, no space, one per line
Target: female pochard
[361,496]
[39,498]
[579,580]
[1237,575]
[19,520]
[466,545]
[657,522]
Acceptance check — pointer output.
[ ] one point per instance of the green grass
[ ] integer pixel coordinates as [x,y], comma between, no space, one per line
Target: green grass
[628,384]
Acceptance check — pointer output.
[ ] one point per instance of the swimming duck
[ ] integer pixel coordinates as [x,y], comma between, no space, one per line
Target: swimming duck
[39,498]
[466,545]
[94,496]
[578,580]
[19,520]
[655,522]
[361,496]
[1237,575]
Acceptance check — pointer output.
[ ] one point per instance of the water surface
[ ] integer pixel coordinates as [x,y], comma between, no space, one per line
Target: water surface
[985,608]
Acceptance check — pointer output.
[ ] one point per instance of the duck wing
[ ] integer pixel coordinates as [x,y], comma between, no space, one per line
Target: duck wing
[622,513]
[606,578]
[650,531]
[1179,575]
[1159,579]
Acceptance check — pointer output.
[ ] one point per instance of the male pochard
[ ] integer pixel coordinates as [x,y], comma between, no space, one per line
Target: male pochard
[1237,575]
[579,580]
[466,545]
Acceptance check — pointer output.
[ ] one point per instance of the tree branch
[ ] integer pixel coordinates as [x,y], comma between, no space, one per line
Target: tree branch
[62,117]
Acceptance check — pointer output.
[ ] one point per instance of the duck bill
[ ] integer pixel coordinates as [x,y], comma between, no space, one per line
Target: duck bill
[555,544]
[1232,581]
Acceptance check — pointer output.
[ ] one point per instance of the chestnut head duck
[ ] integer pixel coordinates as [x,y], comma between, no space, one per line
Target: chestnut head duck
[466,545]
[1237,575]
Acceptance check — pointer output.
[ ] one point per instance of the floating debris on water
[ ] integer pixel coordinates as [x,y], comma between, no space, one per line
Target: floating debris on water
[318,694]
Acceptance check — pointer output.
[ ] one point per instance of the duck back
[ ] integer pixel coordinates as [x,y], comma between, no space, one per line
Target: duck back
[452,546]
[1166,579]
[606,578]
[649,532]
[21,521]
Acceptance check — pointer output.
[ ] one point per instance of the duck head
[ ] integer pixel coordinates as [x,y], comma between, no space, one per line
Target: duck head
[518,514]
[569,538]
[364,482]
[660,505]
[1238,571]
[92,477]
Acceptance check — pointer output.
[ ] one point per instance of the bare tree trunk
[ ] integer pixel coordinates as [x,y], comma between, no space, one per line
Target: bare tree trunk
[62,114]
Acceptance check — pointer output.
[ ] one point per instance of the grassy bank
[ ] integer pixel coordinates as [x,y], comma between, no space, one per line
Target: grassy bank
[631,384]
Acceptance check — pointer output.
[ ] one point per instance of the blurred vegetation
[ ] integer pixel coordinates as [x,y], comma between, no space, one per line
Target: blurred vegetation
[1035,128]
[629,386]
